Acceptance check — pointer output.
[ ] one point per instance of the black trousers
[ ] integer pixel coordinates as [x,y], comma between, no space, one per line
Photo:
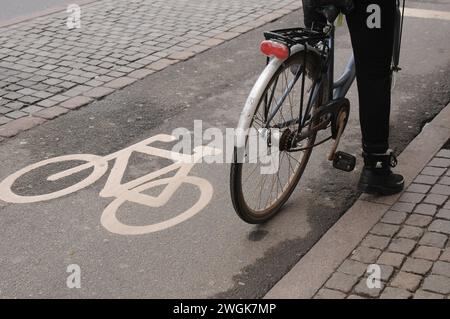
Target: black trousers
[372,33]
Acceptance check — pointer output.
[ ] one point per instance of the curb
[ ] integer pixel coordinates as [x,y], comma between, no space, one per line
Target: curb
[16,126]
[312,271]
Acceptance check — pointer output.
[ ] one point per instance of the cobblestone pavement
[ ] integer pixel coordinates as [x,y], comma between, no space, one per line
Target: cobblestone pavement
[410,244]
[47,69]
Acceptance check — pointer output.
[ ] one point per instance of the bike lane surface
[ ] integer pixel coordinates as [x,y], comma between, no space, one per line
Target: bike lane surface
[212,254]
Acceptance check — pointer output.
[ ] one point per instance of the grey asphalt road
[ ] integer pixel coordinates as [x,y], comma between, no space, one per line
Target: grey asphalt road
[21,8]
[214,254]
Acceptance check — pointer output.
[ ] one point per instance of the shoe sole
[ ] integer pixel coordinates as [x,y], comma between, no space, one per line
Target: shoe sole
[379,190]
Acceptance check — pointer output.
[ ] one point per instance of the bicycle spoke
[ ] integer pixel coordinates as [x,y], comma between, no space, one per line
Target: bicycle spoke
[253,171]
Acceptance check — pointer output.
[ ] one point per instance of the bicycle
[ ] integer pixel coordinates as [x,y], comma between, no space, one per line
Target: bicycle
[305,57]
[132,191]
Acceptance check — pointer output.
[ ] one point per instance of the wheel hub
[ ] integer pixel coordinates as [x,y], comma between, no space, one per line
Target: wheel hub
[287,140]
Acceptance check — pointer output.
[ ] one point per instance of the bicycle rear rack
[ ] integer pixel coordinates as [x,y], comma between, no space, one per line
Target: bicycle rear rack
[294,36]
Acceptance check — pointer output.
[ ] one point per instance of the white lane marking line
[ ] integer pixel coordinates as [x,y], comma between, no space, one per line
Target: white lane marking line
[427,14]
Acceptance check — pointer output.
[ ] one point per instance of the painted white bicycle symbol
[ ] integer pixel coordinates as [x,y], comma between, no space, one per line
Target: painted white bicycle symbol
[130,191]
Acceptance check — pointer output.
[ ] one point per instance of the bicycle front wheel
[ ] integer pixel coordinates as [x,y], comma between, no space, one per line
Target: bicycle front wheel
[258,197]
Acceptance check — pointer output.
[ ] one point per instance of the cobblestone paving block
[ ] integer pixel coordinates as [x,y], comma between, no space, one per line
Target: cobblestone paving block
[94,83]
[341,282]
[412,198]
[403,207]
[387,230]
[406,281]
[447,205]
[214,42]
[426,209]
[426,179]
[443,153]
[47,103]
[182,56]
[77,90]
[352,267]
[422,294]
[373,241]
[13,128]
[440,162]
[391,259]
[393,217]
[4,110]
[15,105]
[433,240]
[29,99]
[417,266]
[4,120]
[59,98]
[440,226]
[52,112]
[366,255]
[395,293]
[198,48]
[387,272]
[437,284]
[141,73]
[26,91]
[98,92]
[16,114]
[419,220]
[435,199]
[363,289]
[42,94]
[433,171]
[445,181]
[445,255]
[419,188]
[32,109]
[227,35]
[441,190]
[411,232]
[441,268]
[329,294]
[402,245]
[76,102]
[120,82]
[428,253]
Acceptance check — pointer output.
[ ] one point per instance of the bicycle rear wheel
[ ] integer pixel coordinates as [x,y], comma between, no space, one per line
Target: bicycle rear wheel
[257,197]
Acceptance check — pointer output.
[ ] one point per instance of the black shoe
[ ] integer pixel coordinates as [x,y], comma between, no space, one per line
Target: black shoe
[377,177]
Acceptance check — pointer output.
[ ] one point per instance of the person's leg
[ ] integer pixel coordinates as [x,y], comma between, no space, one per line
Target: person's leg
[371,27]
[373,47]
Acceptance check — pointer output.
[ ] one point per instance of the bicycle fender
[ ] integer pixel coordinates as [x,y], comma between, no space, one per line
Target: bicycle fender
[256,94]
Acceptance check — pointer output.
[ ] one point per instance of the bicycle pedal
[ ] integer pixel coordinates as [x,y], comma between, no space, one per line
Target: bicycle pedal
[344,161]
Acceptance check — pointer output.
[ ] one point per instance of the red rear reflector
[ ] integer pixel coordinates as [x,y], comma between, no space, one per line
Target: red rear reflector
[272,48]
